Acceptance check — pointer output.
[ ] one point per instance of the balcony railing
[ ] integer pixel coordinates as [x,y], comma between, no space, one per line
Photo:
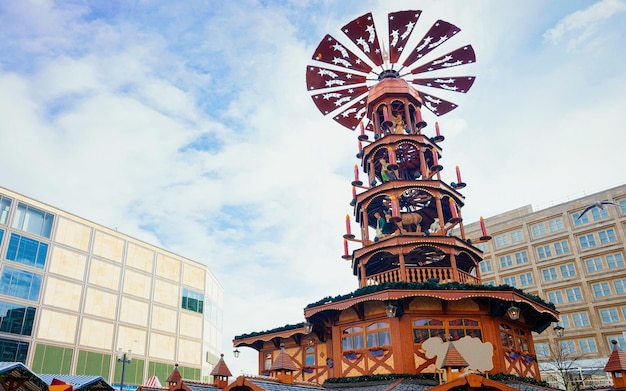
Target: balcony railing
[422,274]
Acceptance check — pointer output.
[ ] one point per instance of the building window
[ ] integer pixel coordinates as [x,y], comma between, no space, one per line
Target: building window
[598,213]
[20,283]
[588,345]
[556,224]
[501,240]
[581,319]
[513,338]
[13,351]
[33,220]
[586,241]
[378,335]
[568,270]
[267,363]
[517,236]
[622,205]
[505,261]
[567,347]
[485,266]
[16,319]
[309,357]
[544,252]
[615,260]
[578,219]
[1,236]
[564,321]
[521,257]
[555,297]
[561,247]
[452,330]
[549,274]
[620,286]
[193,301]
[574,294]
[510,281]
[609,315]
[594,265]
[526,279]
[27,251]
[538,229]
[489,283]
[601,289]
[352,339]
[607,236]
[5,205]
[542,349]
[620,338]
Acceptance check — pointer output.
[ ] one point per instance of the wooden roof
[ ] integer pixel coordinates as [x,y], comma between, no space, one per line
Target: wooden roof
[617,360]
[221,369]
[283,362]
[453,358]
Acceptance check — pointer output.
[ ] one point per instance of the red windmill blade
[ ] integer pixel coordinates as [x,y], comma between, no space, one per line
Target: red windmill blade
[332,52]
[319,78]
[461,56]
[330,101]
[401,25]
[439,33]
[340,89]
[362,32]
[456,84]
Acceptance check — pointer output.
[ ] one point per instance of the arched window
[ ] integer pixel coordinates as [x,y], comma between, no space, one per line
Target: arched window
[309,357]
[352,338]
[378,335]
[426,328]
[447,330]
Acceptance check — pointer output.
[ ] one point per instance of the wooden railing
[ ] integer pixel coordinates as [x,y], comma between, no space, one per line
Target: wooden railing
[422,274]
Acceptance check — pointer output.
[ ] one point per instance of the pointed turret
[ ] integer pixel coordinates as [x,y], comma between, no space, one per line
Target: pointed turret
[221,373]
[283,367]
[616,365]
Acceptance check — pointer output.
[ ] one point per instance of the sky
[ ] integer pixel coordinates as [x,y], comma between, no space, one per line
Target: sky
[188,125]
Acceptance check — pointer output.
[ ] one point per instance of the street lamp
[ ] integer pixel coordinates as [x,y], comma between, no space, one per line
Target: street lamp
[236,353]
[124,358]
[559,330]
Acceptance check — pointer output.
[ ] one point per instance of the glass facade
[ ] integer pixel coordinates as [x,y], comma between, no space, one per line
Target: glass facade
[16,319]
[134,286]
[27,251]
[20,283]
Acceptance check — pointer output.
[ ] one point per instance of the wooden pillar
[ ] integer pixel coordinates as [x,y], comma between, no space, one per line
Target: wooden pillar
[402,266]
[439,213]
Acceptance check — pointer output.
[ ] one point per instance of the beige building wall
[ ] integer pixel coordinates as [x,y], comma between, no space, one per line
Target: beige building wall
[102,290]
[578,264]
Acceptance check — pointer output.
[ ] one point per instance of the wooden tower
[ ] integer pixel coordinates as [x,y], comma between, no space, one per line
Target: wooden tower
[420,306]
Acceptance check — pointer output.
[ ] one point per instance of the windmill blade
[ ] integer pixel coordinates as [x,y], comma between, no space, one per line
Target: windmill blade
[318,78]
[461,56]
[332,52]
[458,83]
[437,105]
[401,26]
[353,115]
[439,33]
[362,32]
[328,102]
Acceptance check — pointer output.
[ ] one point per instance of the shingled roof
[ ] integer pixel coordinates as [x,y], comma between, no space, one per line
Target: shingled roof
[617,359]
[453,358]
[221,369]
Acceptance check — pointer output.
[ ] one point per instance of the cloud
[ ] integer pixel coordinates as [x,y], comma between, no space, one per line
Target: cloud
[579,27]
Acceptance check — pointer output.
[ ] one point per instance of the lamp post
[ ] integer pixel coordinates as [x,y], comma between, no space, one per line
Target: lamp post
[559,330]
[236,353]
[124,358]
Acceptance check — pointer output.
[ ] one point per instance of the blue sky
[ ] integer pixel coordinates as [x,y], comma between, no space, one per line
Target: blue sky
[188,125]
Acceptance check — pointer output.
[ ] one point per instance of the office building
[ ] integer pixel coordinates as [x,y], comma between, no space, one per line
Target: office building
[73,292]
[576,262]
